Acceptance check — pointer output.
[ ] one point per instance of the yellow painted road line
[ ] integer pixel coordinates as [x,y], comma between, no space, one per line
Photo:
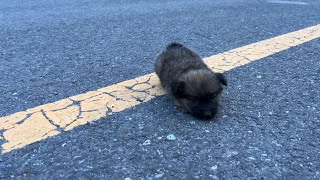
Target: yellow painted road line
[23,128]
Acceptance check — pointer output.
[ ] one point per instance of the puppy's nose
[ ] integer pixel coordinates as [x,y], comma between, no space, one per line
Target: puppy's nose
[207,114]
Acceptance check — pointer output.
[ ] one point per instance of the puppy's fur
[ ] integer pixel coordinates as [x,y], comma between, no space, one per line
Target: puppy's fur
[189,82]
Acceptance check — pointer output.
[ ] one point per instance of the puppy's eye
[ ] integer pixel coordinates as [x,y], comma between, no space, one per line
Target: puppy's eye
[213,95]
[191,98]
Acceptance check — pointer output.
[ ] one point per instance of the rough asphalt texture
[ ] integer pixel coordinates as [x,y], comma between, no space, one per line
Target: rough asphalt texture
[268,126]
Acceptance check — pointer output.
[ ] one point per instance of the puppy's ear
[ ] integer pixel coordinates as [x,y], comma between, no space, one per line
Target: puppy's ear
[178,88]
[222,79]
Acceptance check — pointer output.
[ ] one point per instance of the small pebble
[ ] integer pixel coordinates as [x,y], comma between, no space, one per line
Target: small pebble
[214,167]
[213,177]
[259,77]
[14,94]
[159,175]
[171,137]
[230,154]
[147,142]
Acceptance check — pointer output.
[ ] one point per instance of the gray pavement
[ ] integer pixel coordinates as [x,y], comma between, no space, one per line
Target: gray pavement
[268,126]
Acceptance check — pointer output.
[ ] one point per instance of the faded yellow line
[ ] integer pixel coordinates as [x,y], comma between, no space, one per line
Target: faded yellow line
[23,128]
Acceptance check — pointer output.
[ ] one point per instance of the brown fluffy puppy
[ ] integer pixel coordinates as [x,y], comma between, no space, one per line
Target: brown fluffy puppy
[189,82]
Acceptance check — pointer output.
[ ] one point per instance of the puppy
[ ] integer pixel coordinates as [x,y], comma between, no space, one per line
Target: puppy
[189,82]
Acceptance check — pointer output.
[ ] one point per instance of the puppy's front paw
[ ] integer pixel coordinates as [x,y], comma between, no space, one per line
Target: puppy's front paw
[182,108]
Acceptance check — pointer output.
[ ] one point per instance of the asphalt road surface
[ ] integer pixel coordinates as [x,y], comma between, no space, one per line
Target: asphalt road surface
[269,123]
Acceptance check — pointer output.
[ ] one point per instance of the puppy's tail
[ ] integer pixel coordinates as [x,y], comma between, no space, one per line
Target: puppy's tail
[174,45]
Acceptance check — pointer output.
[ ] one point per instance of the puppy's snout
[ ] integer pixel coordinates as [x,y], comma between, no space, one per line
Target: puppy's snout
[207,114]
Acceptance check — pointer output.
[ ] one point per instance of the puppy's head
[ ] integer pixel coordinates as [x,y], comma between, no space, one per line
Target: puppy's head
[197,92]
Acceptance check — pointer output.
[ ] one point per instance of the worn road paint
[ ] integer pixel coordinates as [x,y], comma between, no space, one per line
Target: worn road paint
[288,2]
[23,128]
